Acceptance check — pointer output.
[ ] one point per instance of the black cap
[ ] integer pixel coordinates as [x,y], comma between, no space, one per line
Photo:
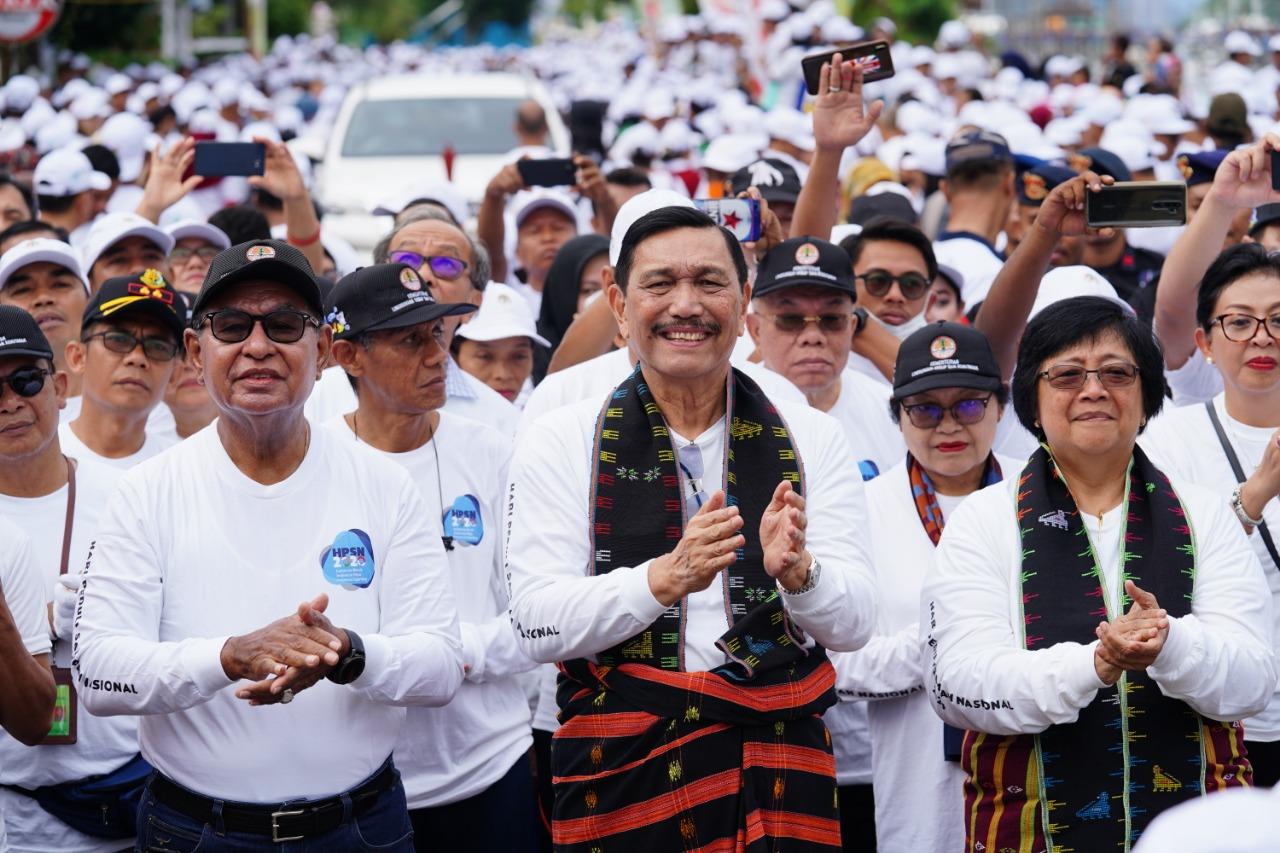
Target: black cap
[145,293]
[1200,167]
[805,261]
[945,355]
[976,146]
[887,205]
[20,334]
[1228,115]
[1036,183]
[263,260]
[1267,214]
[1101,161]
[776,180]
[384,296]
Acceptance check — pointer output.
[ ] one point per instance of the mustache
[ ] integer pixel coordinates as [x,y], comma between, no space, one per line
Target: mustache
[687,326]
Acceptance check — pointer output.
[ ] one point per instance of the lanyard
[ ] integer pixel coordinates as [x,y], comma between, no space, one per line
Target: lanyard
[71,516]
[1236,469]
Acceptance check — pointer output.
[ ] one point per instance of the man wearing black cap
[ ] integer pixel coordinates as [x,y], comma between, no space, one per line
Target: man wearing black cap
[979,190]
[779,185]
[130,337]
[56,497]
[465,766]
[1264,226]
[299,532]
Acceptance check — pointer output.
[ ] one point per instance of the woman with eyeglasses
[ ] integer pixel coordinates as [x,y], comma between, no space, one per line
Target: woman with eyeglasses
[947,400]
[1231,444]
[1098,629]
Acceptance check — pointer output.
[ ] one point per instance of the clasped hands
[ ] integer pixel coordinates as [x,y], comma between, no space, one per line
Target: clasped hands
[1133,641]
[713,536]
[291,654]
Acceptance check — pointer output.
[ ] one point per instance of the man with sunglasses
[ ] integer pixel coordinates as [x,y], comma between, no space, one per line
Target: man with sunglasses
[195,245]
[803,322]
[56,497]
[131,333]
[316,573]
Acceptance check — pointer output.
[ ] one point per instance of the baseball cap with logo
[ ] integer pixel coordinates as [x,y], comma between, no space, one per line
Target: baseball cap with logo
[384,296]
[503,314]
[776,180]
[20,334]
[805,261]
[40,250]
[1200,167]
[945,355]
[1101,161]
[260,260]
[145,293]
[976,146]
[1036,183]
[66,172]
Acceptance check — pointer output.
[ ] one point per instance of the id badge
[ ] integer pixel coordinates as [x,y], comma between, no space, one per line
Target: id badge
[63,730]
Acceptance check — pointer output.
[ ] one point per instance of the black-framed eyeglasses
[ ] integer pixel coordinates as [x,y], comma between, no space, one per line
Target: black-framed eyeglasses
[1070,377]
[442,266]
[122,342]
[183,254]
[1243,327]
[794,324]
[26,381]
[967,412]
[284,325]
[912,284]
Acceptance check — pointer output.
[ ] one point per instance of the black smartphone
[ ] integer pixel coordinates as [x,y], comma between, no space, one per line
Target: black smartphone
[222,159]
[1275,170]
[1137,204]
[872,56]
[740,215]
[553,172]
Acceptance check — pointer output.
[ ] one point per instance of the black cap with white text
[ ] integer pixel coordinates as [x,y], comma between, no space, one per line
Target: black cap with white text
[945,355]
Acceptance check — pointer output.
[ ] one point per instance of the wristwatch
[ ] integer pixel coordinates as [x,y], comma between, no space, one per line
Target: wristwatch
[350,667]
[1237,504]
[859,319]
[810,581]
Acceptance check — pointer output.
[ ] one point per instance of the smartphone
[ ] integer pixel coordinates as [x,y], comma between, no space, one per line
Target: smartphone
[554,172]
[740,215]
[1275,170]
[872,56]
[220,159]
[1137,204]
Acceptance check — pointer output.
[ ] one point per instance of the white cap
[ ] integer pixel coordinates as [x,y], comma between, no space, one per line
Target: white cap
[118,83]
[1102,110]
[91,104]
[1273,43]
[441,192]
[40,250]
[730,152]
[525,202]
[111,228]
[953,34]
[67,172]
[1238,41]
[1062,283]
[20,92]
[185,228]
[790,126]
[503,314]
[636,207]
[126,135]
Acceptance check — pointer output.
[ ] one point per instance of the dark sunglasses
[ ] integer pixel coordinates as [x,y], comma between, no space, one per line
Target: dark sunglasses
[442,266]
[118,341]
[793,324]
[966,412]
[913,285]
[1069,377]
[26,381]
[284,325]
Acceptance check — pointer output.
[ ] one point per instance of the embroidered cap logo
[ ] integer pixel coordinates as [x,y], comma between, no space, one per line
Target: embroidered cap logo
[807,255]
[410,279]
[942,347]
[259,253]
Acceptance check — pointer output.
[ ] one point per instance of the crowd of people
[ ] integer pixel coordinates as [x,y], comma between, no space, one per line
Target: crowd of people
[929,519]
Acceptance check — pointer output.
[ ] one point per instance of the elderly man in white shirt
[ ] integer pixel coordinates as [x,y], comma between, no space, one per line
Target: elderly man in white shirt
[716,533]
[232,560]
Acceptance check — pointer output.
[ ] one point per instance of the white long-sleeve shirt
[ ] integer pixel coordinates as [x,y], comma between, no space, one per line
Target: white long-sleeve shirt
[1219,658]
[193,552]
[561,612]
[449,754]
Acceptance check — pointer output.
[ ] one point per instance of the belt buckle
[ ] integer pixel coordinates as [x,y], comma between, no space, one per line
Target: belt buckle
[276,837]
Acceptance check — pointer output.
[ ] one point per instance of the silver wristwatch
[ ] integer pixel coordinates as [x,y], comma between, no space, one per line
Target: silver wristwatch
[810,582]
[1238,506]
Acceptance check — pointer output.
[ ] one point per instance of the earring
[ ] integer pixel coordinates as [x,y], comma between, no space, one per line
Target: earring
[1209,359]
[1037,424]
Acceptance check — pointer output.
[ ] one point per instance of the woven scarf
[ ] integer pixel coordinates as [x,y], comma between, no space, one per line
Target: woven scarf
[926,498]
[1096,783]
[648,756]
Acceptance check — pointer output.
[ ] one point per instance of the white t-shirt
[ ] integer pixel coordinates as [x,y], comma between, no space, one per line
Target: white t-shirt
[561,615]
[863,410]
[449,754]
[1182,442]
[193,551]
[976,259]
[1196,381]
[152,445]
[1220,659]
[102,743]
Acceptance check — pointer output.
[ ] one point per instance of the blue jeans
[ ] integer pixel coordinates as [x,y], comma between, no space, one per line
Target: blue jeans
[383,827]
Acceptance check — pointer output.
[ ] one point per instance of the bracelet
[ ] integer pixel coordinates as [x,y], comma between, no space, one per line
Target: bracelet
[293,241]
[1237,504]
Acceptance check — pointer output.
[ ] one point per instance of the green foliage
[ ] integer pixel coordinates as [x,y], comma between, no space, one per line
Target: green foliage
[918,20]
[99,30]
[287,17]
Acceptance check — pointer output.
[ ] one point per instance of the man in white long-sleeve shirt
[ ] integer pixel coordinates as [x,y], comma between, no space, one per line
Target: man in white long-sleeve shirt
[466,766]
[233,561]
[685,548]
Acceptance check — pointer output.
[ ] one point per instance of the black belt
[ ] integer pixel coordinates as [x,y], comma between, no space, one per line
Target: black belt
[283,822]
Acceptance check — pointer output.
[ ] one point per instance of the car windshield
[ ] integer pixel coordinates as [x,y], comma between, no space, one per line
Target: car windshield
[414,127]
